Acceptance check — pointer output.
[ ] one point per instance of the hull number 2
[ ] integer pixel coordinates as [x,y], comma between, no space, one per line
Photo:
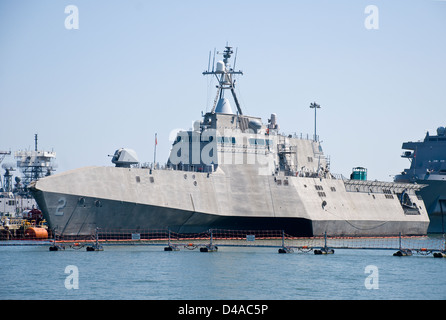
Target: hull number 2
[62,203]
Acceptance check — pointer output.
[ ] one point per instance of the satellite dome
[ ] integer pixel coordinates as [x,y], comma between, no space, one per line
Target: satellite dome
[441,131]
[255,124]
[224,106]
[220,67]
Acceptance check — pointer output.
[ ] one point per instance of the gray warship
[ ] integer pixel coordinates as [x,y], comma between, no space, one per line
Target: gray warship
[230,171]
[428,167]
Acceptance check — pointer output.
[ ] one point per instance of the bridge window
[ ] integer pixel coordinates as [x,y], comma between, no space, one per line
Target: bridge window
[226,140]
[257,141]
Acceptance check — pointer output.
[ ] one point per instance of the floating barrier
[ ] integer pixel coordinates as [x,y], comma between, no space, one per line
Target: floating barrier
[56,248]
[172,248]
[285,250]
[324,251]
[212,240]
[95,248]
[403,253]
[440,254]
[209,248]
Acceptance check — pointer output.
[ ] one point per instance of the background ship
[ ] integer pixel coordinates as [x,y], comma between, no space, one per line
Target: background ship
[230,171]
[428,167]
[19,213]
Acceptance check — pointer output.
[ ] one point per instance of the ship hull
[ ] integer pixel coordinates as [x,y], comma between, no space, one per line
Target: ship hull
[120,217]
[127,200]
[434,197]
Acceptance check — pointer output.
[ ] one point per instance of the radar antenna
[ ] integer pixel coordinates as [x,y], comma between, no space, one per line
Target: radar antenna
[223,72]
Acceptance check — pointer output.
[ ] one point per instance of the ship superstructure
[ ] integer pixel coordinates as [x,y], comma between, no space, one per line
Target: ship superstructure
[230,171]
[428,166]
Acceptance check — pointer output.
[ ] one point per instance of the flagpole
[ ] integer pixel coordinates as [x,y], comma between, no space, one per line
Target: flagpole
[154,153]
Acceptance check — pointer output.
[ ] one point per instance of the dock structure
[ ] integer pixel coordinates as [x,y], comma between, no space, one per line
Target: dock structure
[211,240]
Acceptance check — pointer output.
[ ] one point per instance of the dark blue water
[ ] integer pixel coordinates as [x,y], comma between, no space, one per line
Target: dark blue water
[147,272]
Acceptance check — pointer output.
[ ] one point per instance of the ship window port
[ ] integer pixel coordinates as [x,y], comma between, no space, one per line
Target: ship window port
[437,139]
[226,140]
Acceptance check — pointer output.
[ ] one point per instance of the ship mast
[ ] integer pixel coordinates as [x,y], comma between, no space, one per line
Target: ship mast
[223,73]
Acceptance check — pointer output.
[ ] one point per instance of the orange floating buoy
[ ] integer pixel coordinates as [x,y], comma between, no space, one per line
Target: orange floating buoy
[36,233]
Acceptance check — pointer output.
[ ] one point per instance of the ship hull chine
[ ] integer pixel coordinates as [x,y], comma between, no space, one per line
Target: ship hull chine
[75,215]
[369,228]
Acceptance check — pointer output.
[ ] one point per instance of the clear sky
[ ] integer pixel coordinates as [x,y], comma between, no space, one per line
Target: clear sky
[133,68]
